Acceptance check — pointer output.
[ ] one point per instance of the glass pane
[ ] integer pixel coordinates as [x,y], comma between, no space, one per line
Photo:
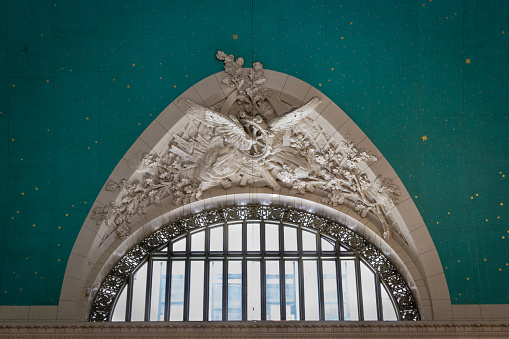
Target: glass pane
[311,309]
[216,238]
[198,241]
[253,237]
[349,282]
[290,239]
[330,290]
[196,291]
[254,309]
[343,249]
[368,293]
[179,245]
[272,283]
[139,294]
[308,241]
[387,306]
[119,312]
[158,291]
[177,290]
[292,290]
[165,249]
[271,237]
[235,237]
[216,291]
[235,290]
[326,245]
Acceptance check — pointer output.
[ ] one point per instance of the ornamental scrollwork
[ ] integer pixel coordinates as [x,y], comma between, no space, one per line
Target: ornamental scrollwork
[249,144]
[396,284]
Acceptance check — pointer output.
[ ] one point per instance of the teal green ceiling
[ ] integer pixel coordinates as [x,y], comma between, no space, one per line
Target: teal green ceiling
[426,80]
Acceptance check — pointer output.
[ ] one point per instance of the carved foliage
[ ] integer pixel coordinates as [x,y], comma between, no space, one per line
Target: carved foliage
[301,157]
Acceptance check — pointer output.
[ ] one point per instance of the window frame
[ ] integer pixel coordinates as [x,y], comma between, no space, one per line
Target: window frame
[303,221]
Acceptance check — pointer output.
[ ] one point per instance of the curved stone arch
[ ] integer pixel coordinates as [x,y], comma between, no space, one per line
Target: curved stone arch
[97,245]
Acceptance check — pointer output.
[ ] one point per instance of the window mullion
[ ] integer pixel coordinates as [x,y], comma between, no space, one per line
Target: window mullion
[206,289]
[360,306]
[244,289]
[244,272]
[378,294]
[263,277]
[148,288]
[263,293]
[339,283]
[282,289]
[168,287]
[187,288]
[301,288]
[129,302]
[225,289]
[321,300]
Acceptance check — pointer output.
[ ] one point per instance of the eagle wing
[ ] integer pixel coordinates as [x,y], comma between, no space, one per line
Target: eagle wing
[229,127]
[291,119]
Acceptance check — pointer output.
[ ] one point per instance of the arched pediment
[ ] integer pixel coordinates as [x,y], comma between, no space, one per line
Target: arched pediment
[316,159]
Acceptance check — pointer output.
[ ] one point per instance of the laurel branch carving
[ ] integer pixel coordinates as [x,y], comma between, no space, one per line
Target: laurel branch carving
[252,147]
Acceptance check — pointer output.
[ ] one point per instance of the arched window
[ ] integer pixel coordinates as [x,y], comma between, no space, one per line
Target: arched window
[254,263]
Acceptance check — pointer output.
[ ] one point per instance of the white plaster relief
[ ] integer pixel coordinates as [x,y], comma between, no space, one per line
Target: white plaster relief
[251,147]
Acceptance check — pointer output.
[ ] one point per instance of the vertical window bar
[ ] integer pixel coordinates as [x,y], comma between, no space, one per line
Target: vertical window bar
[262,237]
[149,288]
[378,293]
[299,240]
[263,285]
[207,240]
[321,300]
[244,237]
[225,237]
[339,283]
[187,279]
[206,282]
[301,287]
[244,288]
[281,238]
[360,306]
[319,243]
[168,286]
[282,287]
[129,303]
[225,288]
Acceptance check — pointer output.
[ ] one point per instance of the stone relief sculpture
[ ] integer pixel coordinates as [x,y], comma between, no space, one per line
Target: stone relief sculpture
[248,144]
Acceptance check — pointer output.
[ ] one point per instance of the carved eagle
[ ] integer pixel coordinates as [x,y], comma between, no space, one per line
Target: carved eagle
[234,131]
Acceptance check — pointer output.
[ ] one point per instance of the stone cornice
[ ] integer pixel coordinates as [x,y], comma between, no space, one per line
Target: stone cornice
[422,329]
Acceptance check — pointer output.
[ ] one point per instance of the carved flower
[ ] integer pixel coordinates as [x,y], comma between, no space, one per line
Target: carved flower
[257,66]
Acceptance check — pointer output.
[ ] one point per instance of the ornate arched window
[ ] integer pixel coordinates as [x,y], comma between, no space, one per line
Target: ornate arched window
[254,263]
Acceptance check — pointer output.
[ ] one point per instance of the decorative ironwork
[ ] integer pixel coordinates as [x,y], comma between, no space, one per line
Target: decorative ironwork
[397,287]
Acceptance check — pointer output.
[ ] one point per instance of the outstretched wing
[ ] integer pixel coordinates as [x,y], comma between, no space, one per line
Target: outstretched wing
[229,127]
[290,119]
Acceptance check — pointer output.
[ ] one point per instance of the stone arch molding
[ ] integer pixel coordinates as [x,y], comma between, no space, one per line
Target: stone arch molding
[292,146]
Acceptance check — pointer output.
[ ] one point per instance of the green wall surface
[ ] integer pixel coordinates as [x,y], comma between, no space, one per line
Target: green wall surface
[427,81]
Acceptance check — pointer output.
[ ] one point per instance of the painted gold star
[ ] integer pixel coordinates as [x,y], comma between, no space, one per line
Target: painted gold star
[235,36]
[467,61]
[128,86]
[424,138]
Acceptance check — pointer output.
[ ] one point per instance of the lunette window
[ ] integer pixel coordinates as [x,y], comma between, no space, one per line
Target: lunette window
[254,270]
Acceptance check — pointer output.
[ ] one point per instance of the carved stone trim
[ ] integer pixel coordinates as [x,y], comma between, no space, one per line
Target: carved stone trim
[397,286]
[258,330]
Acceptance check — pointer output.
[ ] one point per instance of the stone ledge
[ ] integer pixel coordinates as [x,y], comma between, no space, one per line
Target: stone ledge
[420,329]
